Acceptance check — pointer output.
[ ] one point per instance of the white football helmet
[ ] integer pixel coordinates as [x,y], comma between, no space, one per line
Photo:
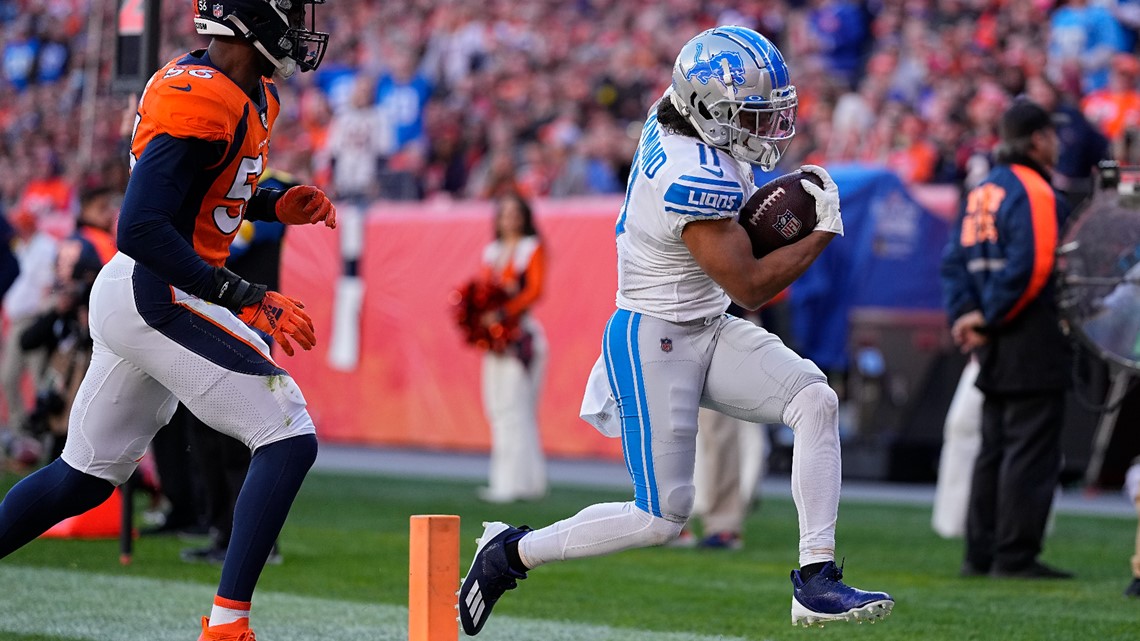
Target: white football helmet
[733,86]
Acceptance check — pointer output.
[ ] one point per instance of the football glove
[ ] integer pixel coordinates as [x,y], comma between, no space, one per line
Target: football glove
[827,217]
[305,205]
[280,316]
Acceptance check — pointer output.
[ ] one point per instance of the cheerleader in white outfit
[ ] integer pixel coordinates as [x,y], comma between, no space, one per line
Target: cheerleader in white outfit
[512,376]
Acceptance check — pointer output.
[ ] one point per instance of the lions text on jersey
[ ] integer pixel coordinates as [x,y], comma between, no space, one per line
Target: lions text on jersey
[675,180]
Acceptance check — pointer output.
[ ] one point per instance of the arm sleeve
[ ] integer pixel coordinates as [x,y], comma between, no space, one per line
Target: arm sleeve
[155,195]
[958,295]
[535,274]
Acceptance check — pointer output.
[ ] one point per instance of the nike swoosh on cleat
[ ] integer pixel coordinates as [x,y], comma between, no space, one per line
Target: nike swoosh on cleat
[186,88]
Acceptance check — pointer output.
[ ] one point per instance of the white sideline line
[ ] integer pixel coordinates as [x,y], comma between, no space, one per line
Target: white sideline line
[82,606]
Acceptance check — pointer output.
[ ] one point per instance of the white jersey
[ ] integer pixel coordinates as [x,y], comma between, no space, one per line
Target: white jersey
[674,181]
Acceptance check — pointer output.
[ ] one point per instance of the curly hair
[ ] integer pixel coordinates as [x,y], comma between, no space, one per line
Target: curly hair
[671,120]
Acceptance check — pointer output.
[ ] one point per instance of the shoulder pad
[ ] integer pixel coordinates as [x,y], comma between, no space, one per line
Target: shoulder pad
[193,101]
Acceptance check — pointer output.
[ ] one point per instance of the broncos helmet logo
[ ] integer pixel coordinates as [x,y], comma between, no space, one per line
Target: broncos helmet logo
[726,66]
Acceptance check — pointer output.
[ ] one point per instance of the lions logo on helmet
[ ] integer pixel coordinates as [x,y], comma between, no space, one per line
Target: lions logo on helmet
[733,86]
[276,28]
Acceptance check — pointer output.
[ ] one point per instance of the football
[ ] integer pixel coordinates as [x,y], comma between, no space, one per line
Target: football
[779,213]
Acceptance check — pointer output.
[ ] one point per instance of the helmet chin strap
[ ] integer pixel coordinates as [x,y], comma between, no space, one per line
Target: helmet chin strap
[766,157]
[286,67]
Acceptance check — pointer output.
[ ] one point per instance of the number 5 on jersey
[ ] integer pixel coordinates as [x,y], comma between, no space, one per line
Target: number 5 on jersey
[228,217]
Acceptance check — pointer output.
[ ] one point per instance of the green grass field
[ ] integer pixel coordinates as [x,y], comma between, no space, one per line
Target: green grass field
[345,578]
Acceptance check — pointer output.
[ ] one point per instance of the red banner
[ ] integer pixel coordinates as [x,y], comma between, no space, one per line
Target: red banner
[417,384]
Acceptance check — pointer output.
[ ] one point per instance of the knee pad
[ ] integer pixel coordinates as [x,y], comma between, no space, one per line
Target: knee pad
[814,405]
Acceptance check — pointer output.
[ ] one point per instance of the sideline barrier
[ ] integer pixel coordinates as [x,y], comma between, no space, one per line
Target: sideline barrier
[418,385]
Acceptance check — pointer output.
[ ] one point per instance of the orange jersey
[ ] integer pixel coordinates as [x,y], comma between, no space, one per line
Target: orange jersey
[189,98]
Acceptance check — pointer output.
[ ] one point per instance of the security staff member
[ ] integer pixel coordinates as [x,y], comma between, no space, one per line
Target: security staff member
[997,287]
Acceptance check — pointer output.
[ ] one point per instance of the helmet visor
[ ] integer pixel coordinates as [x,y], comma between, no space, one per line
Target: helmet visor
[771,120]
[761,128]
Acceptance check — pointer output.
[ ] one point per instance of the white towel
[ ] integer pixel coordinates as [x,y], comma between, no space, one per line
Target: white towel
[598,405]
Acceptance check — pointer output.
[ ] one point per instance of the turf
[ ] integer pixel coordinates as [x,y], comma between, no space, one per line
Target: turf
[346,541]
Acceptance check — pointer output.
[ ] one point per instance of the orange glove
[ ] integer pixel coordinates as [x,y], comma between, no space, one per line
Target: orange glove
[305,205]
[280,316]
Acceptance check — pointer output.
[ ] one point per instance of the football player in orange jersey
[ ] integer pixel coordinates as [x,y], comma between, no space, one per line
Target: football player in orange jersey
[170,323]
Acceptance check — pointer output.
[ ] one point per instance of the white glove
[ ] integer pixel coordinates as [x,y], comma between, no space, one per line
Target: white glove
[827,217]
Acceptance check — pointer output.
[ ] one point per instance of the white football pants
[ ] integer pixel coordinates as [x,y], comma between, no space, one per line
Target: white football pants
[156,345]
[661,373]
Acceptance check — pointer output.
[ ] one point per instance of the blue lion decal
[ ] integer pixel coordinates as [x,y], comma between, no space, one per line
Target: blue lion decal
[725,66]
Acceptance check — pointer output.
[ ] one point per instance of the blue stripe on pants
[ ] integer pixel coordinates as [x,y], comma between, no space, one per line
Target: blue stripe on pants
[627,382]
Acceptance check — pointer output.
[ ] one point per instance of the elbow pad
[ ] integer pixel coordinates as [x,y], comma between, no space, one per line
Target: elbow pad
[233,292]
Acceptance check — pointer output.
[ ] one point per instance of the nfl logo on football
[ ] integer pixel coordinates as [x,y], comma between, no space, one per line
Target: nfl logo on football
[787,224]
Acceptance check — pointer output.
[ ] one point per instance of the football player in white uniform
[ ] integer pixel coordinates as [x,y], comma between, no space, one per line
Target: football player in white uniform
[669,349]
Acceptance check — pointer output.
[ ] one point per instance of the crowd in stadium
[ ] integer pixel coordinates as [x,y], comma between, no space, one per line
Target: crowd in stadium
[547,97]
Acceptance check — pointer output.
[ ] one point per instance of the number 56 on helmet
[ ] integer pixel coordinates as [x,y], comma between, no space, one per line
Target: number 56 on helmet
[276,28]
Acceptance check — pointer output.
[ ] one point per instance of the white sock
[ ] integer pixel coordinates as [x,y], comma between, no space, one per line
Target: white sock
[599,529]
[816,469]
[227,611]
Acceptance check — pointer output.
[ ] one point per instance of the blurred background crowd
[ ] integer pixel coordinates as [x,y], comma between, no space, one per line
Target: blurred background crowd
[461,99]
[438,99]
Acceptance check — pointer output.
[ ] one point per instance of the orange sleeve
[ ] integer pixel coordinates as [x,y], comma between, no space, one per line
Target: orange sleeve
[534,275]
[1043,213]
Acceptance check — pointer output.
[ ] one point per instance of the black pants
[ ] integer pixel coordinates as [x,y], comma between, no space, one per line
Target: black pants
[1015,476]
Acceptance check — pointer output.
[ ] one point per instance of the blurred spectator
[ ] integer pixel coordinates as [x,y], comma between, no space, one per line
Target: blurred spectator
[1115,110]
[402,94]
[1083,38]
[62,331]
[20,54]
[26,299]
[360,140]
[997,287]
[838,32]
[1082,145]
[469,89]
